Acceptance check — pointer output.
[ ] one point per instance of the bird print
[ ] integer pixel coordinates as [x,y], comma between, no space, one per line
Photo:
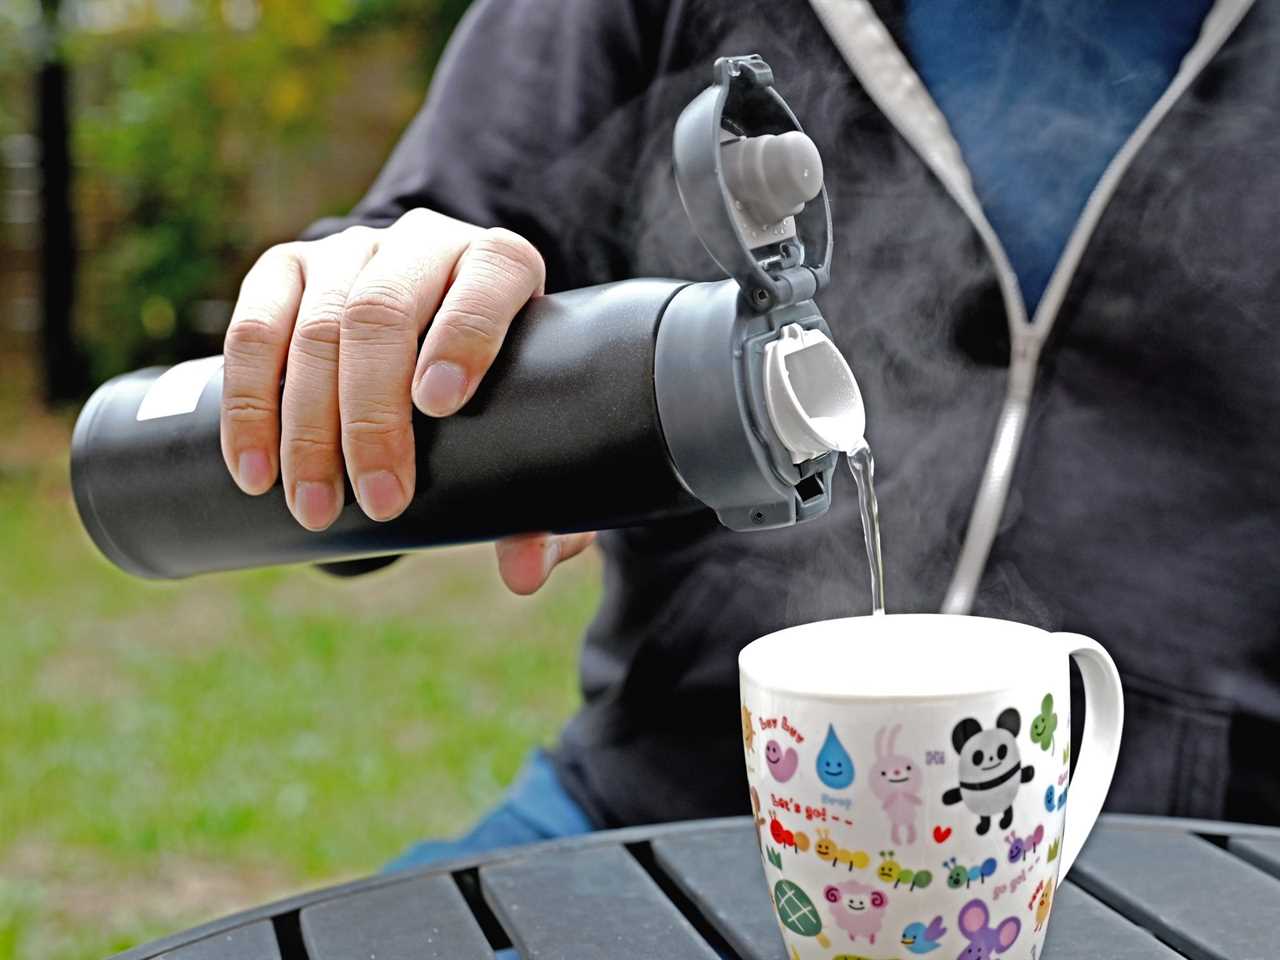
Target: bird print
[918,938]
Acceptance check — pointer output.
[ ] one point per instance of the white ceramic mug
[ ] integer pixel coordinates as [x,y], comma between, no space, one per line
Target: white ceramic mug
[909,775]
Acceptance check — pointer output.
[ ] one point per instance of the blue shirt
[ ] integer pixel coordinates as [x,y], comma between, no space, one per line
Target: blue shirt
[1040,95]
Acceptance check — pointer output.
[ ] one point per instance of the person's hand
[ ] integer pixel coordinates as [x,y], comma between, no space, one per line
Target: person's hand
[337,321]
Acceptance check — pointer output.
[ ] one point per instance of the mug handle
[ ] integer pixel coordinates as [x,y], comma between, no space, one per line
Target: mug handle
[1103,723]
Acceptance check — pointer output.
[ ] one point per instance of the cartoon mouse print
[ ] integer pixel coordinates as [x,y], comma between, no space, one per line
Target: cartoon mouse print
[991,769]
[895,781]
[984,940]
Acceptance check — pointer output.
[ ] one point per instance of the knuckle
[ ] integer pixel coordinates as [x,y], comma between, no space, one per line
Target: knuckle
[317,337]
[511,254]
[241,408]
[378,431]
[473,323]
[357,240]
[283,256]
[417,217]
[250,338]
[357,232]
[373,428]
[312,443]
[367,405]
[379,306]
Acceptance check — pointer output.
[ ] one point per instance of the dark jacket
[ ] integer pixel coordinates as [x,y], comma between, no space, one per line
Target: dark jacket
[1145,505]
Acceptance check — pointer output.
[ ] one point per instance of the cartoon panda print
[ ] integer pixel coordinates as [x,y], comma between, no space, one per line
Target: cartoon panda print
[991,769]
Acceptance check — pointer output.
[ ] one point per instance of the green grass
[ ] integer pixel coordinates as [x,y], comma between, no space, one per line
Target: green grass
[173,752]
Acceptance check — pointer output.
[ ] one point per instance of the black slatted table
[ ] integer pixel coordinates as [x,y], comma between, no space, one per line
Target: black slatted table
[1144,889]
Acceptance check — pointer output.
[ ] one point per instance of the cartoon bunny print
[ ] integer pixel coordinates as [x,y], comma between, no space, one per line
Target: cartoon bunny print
[895,781]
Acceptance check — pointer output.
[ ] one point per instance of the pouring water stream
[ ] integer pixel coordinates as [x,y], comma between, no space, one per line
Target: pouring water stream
[816,407]
[863,468]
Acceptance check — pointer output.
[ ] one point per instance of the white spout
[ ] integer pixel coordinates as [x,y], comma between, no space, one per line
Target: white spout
[813,399]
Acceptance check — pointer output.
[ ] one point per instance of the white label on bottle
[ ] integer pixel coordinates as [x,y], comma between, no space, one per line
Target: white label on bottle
[177,391]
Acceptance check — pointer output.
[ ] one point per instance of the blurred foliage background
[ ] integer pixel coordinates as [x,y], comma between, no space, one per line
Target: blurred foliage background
[169,753]
[233,125]
[205,129]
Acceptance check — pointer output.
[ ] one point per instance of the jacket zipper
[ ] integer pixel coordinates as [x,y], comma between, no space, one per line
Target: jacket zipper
[893,85]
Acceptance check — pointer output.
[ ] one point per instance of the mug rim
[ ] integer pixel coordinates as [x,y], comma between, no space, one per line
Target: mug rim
[1042,654]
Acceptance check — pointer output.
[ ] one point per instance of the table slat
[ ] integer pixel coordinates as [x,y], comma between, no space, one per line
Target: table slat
[720,871]
[1194,896]
[586,904]
[254,941]
[425,918]
[1083,928]
[1263,854]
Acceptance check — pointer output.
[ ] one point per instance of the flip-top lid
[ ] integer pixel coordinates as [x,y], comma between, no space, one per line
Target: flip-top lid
[751,184]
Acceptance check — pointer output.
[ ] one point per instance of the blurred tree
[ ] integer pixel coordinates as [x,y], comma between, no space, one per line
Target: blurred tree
[180,109]
[61,361]
[16,17]
[18,156]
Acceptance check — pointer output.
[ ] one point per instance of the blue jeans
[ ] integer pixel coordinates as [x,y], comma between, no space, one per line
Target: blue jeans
[535,808]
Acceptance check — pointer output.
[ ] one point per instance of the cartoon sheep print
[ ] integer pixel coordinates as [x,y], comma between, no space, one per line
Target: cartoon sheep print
[856,908]
[909,834]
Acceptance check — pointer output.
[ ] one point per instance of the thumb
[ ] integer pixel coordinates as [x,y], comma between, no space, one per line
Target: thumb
[525,561]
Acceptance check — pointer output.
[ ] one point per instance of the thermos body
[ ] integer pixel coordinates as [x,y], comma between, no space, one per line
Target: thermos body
[562,435]
[614,405]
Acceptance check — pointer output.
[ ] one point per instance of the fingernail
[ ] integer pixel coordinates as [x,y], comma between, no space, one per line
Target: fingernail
[381,495]
[253,471]
[442,389]
[316,504]
[550,556]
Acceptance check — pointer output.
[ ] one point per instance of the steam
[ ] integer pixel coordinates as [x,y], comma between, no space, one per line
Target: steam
[913,303]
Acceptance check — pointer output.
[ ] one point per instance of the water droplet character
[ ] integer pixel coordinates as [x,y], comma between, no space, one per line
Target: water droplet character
[835,766]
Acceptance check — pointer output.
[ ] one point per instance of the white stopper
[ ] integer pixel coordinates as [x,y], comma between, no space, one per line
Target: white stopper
[812,397]
[774,176]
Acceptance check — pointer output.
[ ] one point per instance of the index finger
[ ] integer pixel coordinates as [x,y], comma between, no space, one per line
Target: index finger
[495,277]
[254,352]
